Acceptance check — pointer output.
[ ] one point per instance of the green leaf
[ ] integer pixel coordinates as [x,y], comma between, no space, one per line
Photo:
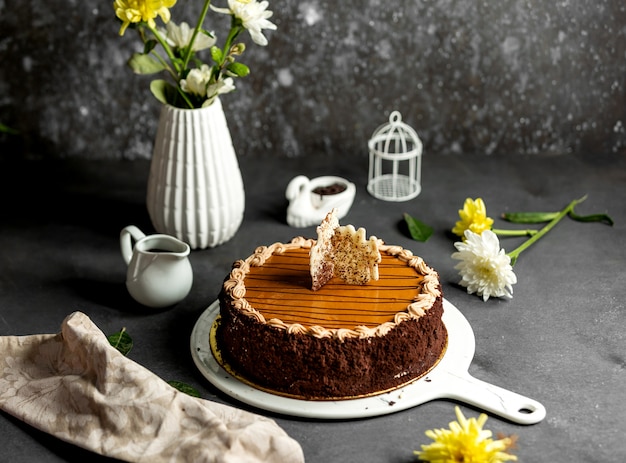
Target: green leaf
[121,341]
[145,64]
[529,217]
[592,218]
[161,89]
[419,231]
[149,46]
[239,69]
[7,129]
[216,54]
[539,217]
[186,388]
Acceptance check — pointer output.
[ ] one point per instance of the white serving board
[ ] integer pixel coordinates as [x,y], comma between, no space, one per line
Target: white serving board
[449,379]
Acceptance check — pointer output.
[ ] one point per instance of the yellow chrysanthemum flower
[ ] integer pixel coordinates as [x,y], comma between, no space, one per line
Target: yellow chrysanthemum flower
[136,11]
[473,217]
[466,441]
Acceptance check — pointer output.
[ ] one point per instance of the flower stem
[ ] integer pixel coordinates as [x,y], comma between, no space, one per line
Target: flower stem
[235,30]
[163,43]
[501,232]
[516,252]
[205,9]
[184,96]
[172,58]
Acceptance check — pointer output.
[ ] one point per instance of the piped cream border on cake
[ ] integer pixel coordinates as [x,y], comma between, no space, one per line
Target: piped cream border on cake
[236,289]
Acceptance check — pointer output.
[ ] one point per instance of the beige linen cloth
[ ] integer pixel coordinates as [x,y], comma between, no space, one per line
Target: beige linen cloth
[77,387]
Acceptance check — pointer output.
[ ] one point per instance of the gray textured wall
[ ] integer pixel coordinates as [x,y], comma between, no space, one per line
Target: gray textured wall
[499,77]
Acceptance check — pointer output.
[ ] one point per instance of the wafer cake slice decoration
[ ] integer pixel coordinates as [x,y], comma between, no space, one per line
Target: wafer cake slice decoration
[344,252]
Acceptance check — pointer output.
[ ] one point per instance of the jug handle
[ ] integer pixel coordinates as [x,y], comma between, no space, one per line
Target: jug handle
[125,241]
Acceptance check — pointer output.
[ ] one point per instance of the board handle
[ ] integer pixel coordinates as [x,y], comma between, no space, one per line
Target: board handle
[499,401]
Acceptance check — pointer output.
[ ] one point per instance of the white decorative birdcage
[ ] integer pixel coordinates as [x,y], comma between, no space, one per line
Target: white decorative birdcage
[395,168]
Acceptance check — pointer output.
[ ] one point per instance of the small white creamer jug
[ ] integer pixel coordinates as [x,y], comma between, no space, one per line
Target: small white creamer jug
[159,272]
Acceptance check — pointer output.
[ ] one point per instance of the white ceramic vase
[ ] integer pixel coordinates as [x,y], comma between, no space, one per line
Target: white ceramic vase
[195,189]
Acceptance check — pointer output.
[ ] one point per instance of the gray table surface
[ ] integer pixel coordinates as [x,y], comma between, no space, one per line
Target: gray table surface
[560,340]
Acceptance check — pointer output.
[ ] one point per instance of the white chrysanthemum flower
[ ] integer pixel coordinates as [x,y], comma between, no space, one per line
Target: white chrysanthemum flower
[485,268]
[253,15]
[197,81]
[179,36]
[219,88]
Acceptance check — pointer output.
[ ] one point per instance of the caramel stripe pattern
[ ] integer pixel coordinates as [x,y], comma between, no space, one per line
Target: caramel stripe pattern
[274,286]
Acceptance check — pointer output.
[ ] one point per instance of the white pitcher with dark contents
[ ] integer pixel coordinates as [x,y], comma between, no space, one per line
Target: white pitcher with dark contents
[159,272]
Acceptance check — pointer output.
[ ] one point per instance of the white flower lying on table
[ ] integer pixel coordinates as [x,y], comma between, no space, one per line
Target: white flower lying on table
[485,268]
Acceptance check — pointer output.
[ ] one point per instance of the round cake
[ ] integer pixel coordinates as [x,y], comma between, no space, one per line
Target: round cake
[341,341]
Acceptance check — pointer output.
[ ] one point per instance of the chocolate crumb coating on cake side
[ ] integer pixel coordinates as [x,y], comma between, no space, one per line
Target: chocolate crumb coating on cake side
[341,341]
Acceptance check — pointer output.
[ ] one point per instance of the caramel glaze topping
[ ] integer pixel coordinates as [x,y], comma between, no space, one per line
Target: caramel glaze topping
[274,286]
[281,288]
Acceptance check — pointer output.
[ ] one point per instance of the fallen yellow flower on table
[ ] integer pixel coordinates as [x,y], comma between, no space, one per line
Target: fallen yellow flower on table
[466,441]
[473,217]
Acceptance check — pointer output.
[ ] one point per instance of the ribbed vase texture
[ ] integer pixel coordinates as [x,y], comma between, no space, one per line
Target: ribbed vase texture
[195,189]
